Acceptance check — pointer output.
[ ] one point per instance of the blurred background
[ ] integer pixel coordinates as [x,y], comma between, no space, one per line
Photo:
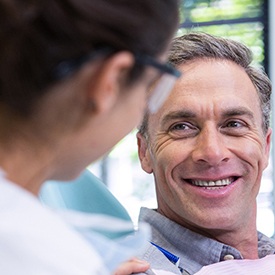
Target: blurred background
[248,21]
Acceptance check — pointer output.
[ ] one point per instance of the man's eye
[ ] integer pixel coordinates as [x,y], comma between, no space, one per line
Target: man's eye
[180,126]
[183,130]
[234,124]
[235,128]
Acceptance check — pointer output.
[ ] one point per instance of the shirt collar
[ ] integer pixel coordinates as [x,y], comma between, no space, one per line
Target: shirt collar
[194,250]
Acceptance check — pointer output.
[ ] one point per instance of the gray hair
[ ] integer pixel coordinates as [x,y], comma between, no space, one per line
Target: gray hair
[193,46]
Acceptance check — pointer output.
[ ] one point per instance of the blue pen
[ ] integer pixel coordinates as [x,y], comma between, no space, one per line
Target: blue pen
[171,257]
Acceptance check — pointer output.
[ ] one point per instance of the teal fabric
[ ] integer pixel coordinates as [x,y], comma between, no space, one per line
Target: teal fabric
[87,206]
[86,194]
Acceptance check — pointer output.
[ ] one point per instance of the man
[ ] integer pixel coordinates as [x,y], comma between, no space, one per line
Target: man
[207,148]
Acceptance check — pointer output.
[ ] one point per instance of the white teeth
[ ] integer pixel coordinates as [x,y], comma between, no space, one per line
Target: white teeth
[211,183]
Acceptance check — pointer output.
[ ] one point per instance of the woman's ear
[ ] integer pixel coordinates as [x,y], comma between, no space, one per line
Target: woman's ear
[144,154]
[104,89]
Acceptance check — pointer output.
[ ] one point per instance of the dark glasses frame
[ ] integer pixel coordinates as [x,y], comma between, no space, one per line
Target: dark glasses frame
[162,67]
[68,67]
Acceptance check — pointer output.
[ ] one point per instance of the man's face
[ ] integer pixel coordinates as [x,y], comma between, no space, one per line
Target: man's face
[207,148]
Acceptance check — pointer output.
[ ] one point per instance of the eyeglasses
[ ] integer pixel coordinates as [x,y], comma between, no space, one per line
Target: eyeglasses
[67,67]
[165,83]
[160,91]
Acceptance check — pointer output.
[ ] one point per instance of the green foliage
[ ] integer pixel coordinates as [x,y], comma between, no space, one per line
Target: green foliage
[216,13]
[251,34]
[210,10]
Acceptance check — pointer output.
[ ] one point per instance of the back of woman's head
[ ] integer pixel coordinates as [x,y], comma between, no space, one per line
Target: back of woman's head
[35,36]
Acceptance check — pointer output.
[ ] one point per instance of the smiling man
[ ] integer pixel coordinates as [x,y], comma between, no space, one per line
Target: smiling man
[207,148]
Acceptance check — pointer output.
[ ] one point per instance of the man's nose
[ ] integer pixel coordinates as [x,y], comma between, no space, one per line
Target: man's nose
[210,147]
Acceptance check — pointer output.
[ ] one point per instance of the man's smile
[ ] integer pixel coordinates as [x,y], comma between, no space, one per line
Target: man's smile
[212,183]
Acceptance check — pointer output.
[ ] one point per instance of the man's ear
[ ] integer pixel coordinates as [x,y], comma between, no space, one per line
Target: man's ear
[144,154]
[267,146]
[104,89]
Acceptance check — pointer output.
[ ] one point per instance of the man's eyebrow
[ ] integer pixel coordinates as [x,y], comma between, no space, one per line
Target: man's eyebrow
[177,115]
[231,112]
[238,111]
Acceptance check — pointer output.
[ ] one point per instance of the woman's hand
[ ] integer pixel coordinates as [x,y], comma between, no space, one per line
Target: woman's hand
[132,266]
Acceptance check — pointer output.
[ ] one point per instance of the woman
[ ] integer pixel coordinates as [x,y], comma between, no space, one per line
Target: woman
[74,76]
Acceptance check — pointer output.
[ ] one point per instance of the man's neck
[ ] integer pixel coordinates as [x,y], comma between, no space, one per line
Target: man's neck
[242,236]
[245,241]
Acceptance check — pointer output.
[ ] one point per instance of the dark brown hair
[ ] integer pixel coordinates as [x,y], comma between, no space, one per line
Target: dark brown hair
[35,36]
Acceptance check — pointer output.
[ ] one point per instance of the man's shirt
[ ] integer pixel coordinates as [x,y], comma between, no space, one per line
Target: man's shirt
[194,250]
